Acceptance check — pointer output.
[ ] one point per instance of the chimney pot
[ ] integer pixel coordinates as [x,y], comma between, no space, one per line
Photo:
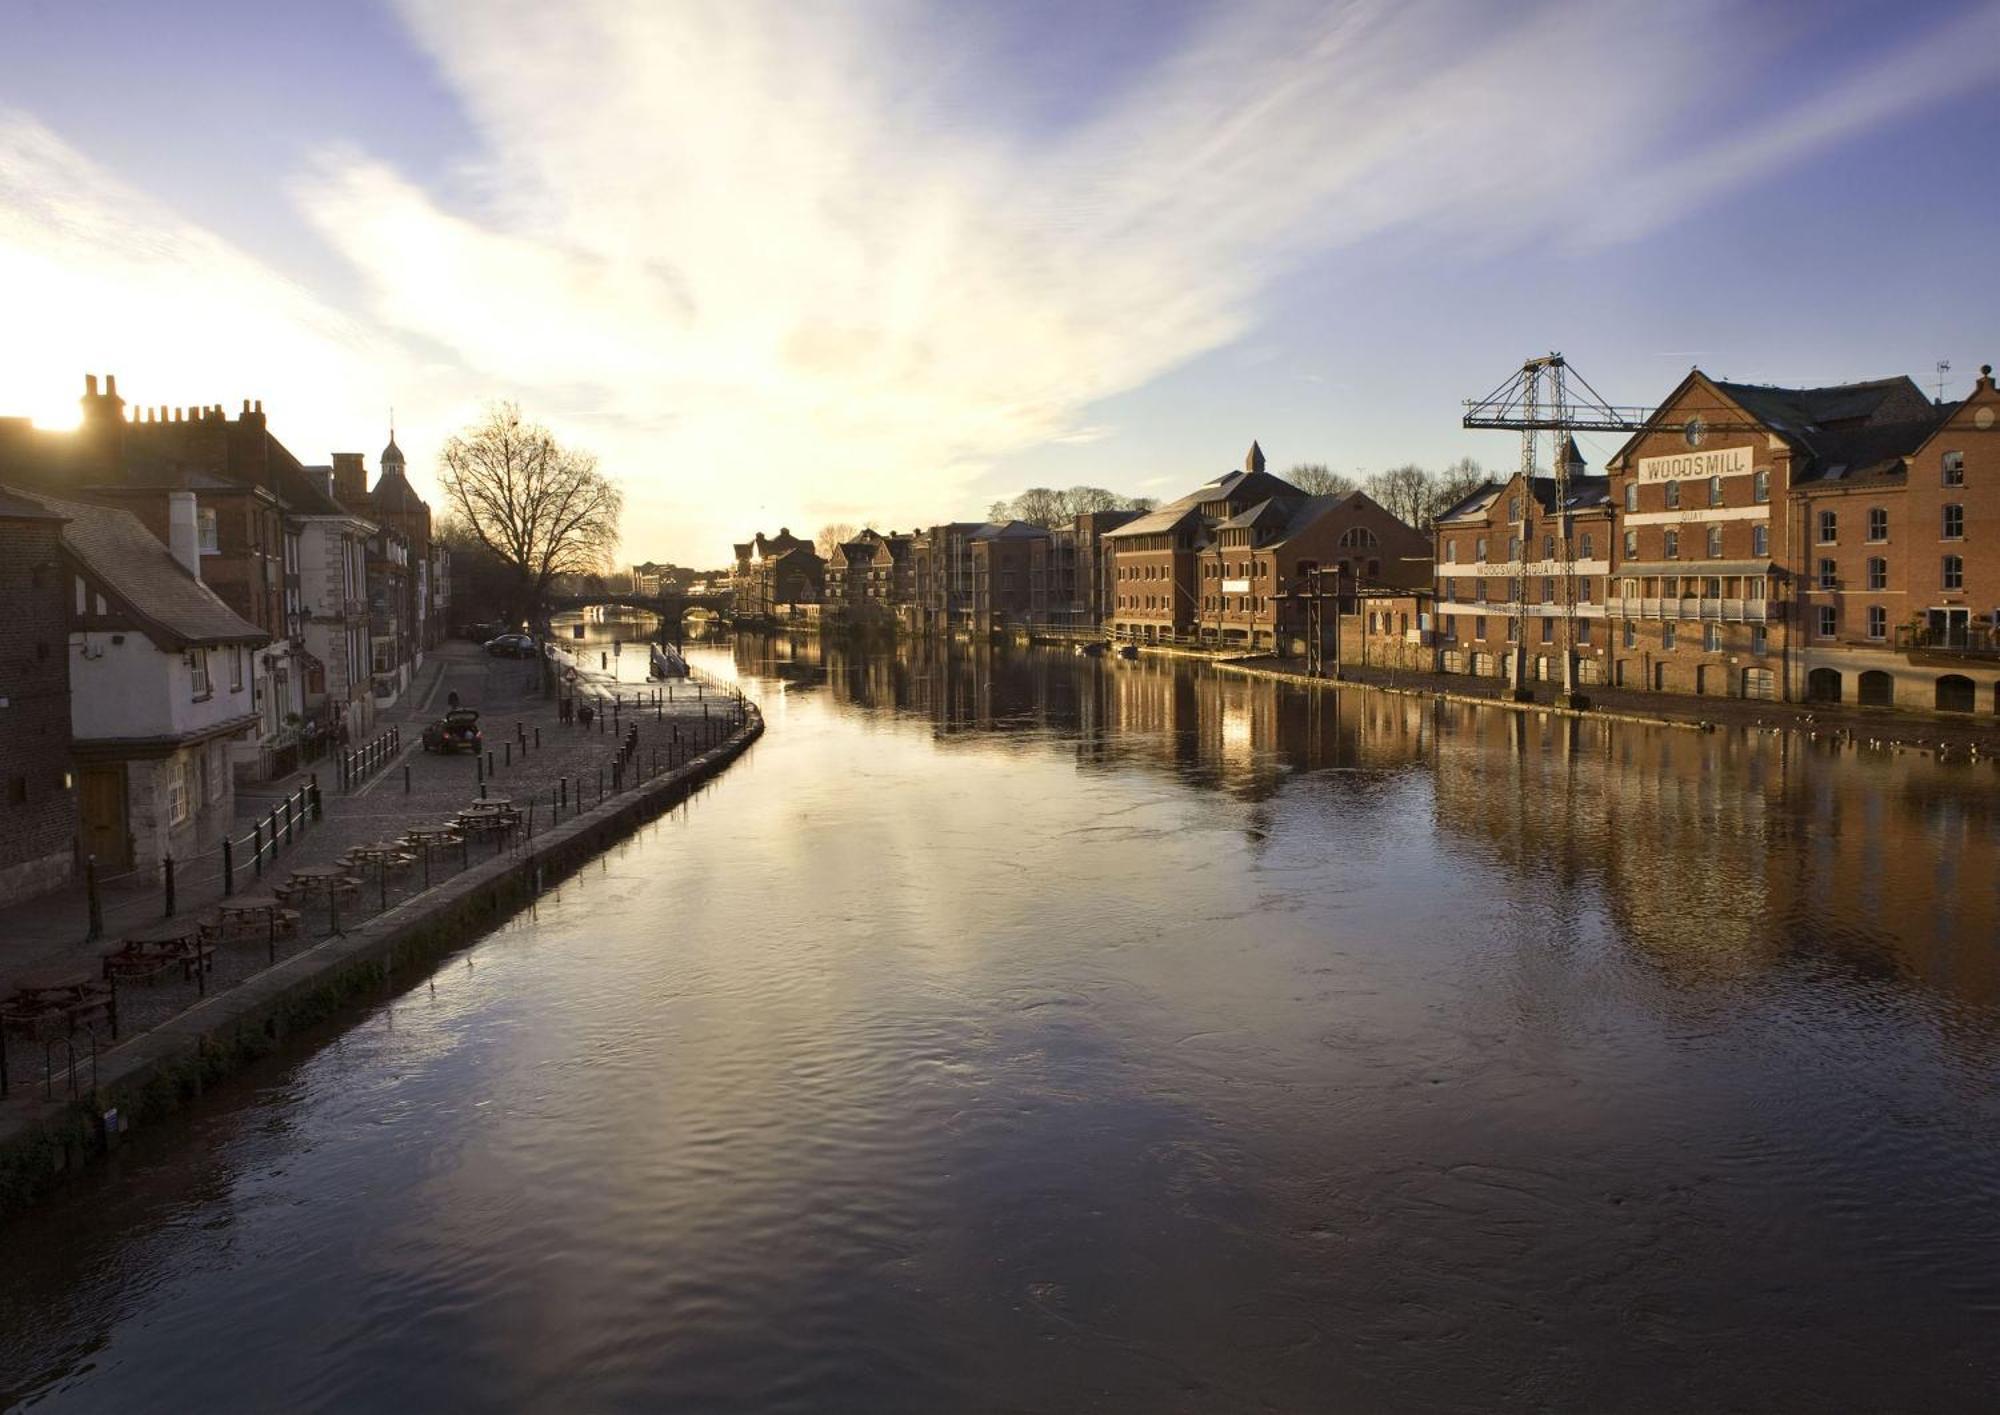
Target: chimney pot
[260,405]
[111,385]
[90,385]
[246,405]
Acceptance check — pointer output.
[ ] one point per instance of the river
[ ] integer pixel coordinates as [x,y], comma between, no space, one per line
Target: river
[1015,1031]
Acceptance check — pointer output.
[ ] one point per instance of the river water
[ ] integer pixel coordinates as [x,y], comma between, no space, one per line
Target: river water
[1014,1031]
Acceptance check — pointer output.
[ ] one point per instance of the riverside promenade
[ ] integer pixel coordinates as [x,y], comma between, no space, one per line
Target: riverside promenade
[567,771]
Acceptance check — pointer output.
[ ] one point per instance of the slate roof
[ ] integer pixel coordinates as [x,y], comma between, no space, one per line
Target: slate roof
[20,508]
[1585,493]
[302,495]
[393,491]
[177,610]
[1800,409]
[1009,530]
[1867,453]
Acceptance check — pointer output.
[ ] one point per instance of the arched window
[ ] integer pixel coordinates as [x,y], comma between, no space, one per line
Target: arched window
[1357,538]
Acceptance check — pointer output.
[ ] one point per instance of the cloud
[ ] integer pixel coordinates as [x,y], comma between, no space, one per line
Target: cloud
[783,262]
[100,277]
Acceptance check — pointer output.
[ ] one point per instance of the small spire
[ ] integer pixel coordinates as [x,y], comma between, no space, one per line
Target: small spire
[1254,461]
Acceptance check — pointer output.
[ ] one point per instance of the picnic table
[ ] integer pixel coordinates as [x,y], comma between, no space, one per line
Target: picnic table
[323,880]
[426,836]
[75,999]
[151,952]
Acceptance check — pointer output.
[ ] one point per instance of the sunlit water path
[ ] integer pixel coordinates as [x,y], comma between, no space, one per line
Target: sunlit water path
[1029,1032]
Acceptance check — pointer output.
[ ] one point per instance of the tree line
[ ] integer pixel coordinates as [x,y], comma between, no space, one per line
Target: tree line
[1410,493]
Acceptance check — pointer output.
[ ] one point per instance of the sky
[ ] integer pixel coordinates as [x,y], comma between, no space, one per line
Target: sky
[884,263]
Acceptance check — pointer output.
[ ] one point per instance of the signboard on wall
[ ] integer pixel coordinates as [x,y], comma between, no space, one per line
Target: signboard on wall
[1690,466]
[1236,587]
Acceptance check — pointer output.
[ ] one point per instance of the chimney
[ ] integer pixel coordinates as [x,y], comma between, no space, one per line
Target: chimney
[90,385]
[183,532]
[350,480]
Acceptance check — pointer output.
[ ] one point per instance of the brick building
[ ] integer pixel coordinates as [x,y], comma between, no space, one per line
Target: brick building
[777,577]
[1500,606]
[941,578]
[38,811]
[1009,569]
[1231,563]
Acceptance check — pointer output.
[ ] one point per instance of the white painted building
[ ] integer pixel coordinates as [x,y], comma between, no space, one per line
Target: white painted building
[161,686]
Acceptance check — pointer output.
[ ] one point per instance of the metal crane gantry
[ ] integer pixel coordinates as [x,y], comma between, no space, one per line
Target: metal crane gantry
[1546,395]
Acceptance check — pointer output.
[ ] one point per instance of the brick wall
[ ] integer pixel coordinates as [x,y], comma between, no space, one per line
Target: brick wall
[38,812]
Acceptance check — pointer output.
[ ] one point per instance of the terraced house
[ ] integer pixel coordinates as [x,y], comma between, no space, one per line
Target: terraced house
[1232,563]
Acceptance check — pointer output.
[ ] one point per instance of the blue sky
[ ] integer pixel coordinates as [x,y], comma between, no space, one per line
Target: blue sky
[884,262]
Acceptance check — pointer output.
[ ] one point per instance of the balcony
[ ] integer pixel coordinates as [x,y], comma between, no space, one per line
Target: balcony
[1719,611]
[1950,641]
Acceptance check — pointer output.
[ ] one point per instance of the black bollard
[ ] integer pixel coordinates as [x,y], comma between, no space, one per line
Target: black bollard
[228,867]
[96,904]
[406,778]
[168,862]
[319,806]
[506,754]
[538,738]
[257,847]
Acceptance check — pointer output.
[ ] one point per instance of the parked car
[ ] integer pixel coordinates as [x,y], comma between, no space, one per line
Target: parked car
[511,646]
[457,730]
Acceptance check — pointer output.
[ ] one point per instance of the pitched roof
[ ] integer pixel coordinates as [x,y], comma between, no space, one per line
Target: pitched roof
[1801,409]
[302,495]
[1008,530]
[20,508]
[176,609]
[1857,453]
[1584,492]
[393,491]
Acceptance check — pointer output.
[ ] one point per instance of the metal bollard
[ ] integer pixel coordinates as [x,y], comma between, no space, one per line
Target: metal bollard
[506,754]
[538,737]
[319,806]
[479,771]
[489,762]
[168,862]
[96,904]
[257,847]
[228,867]
[565,792]
[406,778]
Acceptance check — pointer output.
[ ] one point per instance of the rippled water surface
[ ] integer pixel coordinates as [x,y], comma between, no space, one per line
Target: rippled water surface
[1017,1031]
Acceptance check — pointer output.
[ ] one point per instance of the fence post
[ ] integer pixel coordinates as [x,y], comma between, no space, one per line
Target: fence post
[406,778]
[288,820]
[506,754]
[96,904]
[228,867]
[169,863]
[257,848]
[538,736]
[319,806]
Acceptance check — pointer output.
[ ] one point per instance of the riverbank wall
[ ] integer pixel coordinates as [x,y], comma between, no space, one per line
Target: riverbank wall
[44,1141]
[1883,728]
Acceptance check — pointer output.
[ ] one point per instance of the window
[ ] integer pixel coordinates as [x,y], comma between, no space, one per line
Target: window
[1513,629]
[1753,587]
[1878,622]
[1479,626]
[1953,527]
[1760,639]
[1451,626]
[1548,629]
[1631,545]
[1760,540]
[1479,590]
[1548,547]
[1513,548]
[1479,550]
[197,662]
[1760,484]
[82,596]
[236,668]
[205,529]
[1450,552]
[1715,491]
[1878,523]
[1583,631]
[1711,638]
[177,792]
[1583,589]
[1878,573]
[1954,572]
[1829,527]
[1587,548]
[1673,495]
[1667,635]
[1715,542]
[1513,508]
[1631,634]
[1829,574]
[1631,496]
[1549,590]
[1673,542]
[1829,621]
[1953,466]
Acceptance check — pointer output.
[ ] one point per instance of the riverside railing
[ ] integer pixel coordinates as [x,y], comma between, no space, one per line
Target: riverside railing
[356,765]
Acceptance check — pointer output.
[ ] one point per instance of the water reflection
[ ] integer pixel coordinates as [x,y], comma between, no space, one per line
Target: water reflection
[1011,1030]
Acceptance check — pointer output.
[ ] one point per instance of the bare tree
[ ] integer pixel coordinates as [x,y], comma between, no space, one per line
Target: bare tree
[1406,492]
[1318,479]
[1457,482]
[831,537]
[1045,506]
[543,509]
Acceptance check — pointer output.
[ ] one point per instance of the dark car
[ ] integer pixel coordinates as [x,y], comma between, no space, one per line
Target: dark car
[511,646]
[457,730]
